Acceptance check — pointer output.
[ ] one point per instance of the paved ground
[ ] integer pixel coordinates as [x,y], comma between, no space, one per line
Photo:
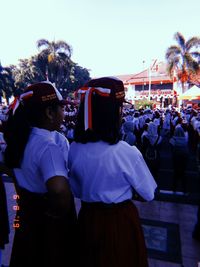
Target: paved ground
[182,214]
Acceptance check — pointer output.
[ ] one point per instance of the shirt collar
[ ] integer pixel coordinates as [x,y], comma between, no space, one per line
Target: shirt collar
[42,132]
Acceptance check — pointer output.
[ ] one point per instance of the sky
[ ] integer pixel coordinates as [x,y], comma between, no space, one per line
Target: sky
[108,37]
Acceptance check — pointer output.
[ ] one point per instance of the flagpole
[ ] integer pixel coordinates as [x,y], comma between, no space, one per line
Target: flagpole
[149,74]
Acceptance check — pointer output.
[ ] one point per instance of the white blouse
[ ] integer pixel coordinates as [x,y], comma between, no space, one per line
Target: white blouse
[45,156]
[107,173]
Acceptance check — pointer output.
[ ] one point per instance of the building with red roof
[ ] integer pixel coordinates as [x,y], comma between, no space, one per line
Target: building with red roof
[153,83]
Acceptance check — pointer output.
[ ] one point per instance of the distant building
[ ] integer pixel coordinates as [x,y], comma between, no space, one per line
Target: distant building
[153,83]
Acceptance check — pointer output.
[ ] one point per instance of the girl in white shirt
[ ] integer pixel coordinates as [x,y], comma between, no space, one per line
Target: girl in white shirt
[104,172]
[38,154]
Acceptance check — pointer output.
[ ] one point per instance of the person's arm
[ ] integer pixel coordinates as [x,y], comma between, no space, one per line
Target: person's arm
[60,221]
[53,168]
[137,196]
[59,196]
[141,178]
[5,170]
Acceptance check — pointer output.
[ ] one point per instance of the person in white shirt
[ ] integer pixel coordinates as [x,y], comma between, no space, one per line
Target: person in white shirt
[152,140]
[2,147]
[45,224]
[104,173]
[180,154]
[129,136]
[167,123]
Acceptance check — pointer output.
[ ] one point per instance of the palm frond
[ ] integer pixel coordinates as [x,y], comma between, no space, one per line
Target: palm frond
[195,55]
[195,66]
[172,51]
[193,42]
[42,42]
[180,39]
[191,63]
[63,47]
[188,58]
[170,69]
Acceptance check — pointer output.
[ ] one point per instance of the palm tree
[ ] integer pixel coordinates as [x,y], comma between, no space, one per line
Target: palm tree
[183,59]
[54,61]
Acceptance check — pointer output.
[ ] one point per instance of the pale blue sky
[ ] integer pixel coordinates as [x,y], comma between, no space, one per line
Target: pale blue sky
[109,37]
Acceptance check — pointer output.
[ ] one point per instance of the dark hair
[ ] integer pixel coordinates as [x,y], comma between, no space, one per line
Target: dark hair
[17,131]
[106,121]
[179,120]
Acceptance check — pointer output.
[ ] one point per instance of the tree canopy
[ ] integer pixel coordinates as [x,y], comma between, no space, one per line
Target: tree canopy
[7,85]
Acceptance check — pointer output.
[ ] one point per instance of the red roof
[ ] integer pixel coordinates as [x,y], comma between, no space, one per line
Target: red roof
[158,74]
[125,77]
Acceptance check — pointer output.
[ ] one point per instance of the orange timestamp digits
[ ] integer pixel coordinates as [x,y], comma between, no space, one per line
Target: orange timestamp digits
[16,223]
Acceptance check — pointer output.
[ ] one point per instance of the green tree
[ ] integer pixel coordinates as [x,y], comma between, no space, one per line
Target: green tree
[25,73]
[7,86]
[80,77]
[144,104]
[183,58]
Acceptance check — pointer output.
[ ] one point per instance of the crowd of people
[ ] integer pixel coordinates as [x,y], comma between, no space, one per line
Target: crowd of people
[146,128]
[101,152]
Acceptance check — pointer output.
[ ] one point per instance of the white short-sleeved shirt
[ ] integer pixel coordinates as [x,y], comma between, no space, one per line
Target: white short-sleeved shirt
[45,156]
[196,124]
[102,172]
[2,147]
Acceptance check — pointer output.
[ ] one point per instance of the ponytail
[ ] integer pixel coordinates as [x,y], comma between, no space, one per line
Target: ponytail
[16,134]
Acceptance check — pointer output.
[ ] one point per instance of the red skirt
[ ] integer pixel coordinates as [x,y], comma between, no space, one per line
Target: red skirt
[111,236]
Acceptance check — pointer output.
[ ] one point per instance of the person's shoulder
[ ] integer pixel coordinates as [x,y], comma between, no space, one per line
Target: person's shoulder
[127,154]
[125,147]
[59,138]
[72,145]
[77,147]
[59,135]
[54,141]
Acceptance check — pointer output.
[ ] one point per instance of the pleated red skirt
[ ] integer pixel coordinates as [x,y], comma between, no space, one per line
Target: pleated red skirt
[111,236]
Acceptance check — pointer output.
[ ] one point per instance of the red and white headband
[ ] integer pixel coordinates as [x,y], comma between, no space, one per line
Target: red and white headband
[15,104]
[87,93]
